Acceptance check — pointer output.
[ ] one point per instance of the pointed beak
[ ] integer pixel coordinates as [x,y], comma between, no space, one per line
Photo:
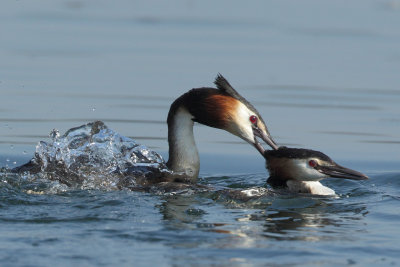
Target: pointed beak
[265,137]
[337,171]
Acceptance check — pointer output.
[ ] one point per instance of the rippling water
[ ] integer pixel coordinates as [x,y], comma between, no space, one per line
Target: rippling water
[323,75]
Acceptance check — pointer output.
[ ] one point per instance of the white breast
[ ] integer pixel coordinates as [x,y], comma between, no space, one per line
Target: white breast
[310,187]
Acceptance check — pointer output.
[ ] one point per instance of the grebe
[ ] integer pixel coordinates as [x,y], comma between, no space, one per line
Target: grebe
[222,107]
[300,170]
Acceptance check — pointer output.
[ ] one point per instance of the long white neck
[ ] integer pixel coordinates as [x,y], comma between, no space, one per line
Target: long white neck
[183,154]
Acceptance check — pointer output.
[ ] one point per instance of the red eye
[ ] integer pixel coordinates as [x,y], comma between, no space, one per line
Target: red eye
[312,163]
[253,119]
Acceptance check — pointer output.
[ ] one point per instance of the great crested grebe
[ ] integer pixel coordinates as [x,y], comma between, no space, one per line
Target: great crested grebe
[300,170]
[222,107]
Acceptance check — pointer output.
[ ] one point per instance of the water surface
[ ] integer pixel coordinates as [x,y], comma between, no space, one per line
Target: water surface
[324,75]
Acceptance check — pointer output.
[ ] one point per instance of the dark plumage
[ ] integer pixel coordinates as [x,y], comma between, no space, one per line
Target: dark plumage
[198,102]
[295,153]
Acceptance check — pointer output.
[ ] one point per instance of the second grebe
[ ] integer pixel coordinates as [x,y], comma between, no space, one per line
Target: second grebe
[300,170]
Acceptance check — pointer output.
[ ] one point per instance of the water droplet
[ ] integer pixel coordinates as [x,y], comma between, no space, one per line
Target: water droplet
[93,109]
[54,134]
[14,162]
[11,146]
[8,160]
[24,152]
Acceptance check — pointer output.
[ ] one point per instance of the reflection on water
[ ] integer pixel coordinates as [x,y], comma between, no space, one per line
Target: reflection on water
[282,225]
[180,210]
[247,231]
[275,217]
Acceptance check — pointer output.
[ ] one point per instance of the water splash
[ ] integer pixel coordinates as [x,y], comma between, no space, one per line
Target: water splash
[94,156]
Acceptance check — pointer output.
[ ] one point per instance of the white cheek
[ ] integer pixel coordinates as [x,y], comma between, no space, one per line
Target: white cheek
[243,126]
[306,173]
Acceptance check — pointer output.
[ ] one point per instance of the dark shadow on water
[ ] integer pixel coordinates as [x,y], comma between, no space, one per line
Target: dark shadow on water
[325,220]
[179,209]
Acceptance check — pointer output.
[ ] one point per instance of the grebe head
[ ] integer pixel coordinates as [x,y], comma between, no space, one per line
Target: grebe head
[242,119]
[226,109]
[305,165]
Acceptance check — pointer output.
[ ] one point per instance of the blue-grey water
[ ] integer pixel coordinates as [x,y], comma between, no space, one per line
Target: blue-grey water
[323,74]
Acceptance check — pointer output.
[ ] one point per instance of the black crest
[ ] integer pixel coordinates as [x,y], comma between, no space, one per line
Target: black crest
[224,86]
